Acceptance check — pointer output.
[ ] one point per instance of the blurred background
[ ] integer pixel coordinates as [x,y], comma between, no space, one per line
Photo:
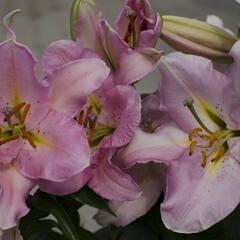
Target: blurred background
[45,21]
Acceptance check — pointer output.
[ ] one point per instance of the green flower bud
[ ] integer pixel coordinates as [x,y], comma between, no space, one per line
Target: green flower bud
[196,37]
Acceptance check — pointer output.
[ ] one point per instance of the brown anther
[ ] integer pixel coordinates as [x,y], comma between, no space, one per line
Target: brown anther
[212,140]
[25,112]
[219,154]
[28,137]
[89,110]
[91,132]
[205,137]
[8,139]
[204,159]
[193,133]
[192,147]
[16,109]
[80,117]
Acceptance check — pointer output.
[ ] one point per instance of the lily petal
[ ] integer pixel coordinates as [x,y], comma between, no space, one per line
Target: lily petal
[14,190]
[185,76]
[136,64]
[197,198]
[121,109]
[61,150]
[62,52]
[150,179]
[163,146]
[110,182]
[112,44]
[18,78]
[69,186]
[77,80]
[9,151]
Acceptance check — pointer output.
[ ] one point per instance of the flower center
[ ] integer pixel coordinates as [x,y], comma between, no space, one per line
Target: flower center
[211,145]
[15,128]
[88,118]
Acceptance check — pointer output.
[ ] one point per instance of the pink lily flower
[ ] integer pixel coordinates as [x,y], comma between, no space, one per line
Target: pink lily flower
[202,150]
[149,176]
[109,113]
[38,142]
[150,179]
[128,50]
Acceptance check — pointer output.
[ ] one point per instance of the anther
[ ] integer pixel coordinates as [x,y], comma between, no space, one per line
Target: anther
[8,139]
[25,112]
[16,109]
[220,153]
[28,137]
[192,147]
[204,159]
[194,132]
[80,117]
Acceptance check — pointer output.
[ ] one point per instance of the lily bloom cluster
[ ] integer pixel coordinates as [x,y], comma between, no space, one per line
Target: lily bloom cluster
[85,123]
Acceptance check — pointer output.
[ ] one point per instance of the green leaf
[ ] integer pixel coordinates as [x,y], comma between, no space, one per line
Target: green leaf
[36,228]
[85,234]
[89,197]
[71,206]
[49,203]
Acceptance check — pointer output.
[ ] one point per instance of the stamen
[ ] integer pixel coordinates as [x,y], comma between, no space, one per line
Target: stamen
[189,103]
[16,109]
[80,118]
[89,110]
[25,112]
[193,133]
[28,137]
[204,159]
[8,139]
[192,147]
[220,153]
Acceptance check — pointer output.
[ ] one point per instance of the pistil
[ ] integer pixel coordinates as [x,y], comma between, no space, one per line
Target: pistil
[189,103]
[131,31]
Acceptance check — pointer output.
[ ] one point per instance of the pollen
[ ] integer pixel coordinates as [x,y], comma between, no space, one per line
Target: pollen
[16,109]
[25,112]
[194,132]
[220,153]
[8,139]
[28,137]
[192,147]
[204,158]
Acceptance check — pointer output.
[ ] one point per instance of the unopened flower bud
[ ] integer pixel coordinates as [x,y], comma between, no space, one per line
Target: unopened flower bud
[196,37]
